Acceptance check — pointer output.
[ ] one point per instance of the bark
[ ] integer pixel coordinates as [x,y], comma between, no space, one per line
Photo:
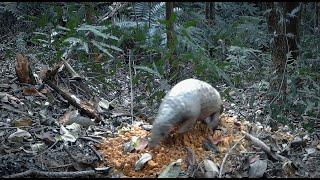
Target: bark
[210,12]
[169,12]
[278,54]
[317,17]
[89,19]
[210,17]
[170,38]
[292,26]
[262,6]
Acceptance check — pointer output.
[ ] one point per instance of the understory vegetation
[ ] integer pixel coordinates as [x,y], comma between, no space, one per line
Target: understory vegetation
[103,39]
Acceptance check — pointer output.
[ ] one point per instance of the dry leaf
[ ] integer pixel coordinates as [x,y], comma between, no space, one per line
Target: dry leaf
[65,118]
[142,144]
[104,103]
[172,170]
[30,91]
[130,146]
[258,168]
[23,122]
[142,161]
[66,135]
[19,136]
[47,137]
[289,169]
[211,168]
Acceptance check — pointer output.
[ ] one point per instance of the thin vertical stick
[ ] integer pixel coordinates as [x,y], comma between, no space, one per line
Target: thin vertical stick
[227,154]
[131,91]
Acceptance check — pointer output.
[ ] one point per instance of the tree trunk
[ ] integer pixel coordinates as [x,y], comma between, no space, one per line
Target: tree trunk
[170,36]
[89,19]
[317,17]
[210,13]
[169,12]
[210,17]
[278,54]
[292,26]
[261,5]
[89,10]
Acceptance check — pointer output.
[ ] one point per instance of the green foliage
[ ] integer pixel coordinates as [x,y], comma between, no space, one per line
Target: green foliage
[10,7]
[141,27]
[303,79]
[144,68]
[244,59]
[190,37]
[98,32]
[24,10]
[74,36]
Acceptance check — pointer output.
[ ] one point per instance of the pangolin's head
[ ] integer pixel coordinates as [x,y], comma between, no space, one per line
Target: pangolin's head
[214,120]
[159,131]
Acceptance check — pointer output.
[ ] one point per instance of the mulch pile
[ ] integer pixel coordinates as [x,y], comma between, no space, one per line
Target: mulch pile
[174,148]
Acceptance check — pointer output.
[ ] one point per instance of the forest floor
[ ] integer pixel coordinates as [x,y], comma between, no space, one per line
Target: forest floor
[42,135]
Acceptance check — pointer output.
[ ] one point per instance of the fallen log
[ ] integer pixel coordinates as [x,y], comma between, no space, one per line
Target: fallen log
[84,107]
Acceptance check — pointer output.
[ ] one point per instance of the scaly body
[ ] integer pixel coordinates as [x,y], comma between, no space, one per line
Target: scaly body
[188,101]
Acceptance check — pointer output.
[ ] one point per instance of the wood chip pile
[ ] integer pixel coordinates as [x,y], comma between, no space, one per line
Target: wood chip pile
[175,147]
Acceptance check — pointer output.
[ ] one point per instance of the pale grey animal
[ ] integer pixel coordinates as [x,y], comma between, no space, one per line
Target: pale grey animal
[188,101]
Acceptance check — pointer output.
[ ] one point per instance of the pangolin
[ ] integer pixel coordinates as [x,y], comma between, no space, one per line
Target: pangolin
[188,101]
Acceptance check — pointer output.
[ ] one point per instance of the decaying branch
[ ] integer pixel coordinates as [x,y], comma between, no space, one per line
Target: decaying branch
[23,70]
[76,78]
[264,147]
[52,174]
[83,106]
[74,74]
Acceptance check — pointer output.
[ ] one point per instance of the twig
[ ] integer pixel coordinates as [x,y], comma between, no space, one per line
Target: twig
[65,147]
[8,107]
[52,174]
[95,152]
[308,117]
[121,114]
[251,152]
[61,166]
[4,128]
[47,149]
[225,157]
[264,147]
[73,73]
[131,92]
[90,139]
[192,161]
